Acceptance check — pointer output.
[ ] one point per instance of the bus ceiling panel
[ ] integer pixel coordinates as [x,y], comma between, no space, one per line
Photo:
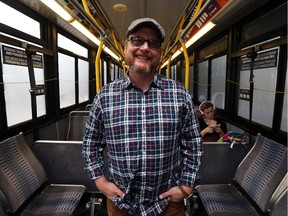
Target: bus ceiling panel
[236,10]
[112,16]
[230,14]
[167,12]
[117,15]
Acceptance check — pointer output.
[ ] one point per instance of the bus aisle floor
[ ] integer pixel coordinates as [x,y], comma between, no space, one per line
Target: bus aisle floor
[84,207]
[196,208]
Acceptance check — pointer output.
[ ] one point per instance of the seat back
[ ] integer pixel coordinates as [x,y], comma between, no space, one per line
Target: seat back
[77,123]
[63,162]
[220,161]
[21,174]
[262,170]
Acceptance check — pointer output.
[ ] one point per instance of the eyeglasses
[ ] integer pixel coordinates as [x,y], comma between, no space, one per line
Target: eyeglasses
[138,41]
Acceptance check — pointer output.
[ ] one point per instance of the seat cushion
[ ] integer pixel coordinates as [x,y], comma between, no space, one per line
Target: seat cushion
[225,200]
[55,200]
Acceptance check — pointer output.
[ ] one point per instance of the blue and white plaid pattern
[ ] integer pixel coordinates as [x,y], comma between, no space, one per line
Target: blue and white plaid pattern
[152,138]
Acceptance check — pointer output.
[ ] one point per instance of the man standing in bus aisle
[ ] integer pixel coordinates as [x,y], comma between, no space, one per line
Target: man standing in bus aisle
[149,126]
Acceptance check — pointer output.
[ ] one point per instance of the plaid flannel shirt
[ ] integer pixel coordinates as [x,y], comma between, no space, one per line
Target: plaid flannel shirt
[152,138]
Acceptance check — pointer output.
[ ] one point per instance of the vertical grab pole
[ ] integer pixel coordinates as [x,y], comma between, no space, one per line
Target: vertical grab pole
[98,56]
[252,55]
[100,48]
[168,72]
[33,93]
[186,65]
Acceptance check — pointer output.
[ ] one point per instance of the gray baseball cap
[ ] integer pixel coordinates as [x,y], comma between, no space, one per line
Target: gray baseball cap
[146,22]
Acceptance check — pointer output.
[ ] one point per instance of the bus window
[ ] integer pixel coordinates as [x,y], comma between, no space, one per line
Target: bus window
[17,86]
[105,73]
[19,21]
[70,45]
[83,77]
[15,70]
[265,76]
[218,81]
[191,79]
[283,126]
[173,72]
[66,80]
[202,81]
[68,73]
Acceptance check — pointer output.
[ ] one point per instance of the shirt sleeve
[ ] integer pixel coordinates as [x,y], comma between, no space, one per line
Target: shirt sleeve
[191,144]
[93,142]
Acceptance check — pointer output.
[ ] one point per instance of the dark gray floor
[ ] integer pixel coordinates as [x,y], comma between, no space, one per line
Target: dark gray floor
[196,208]
[84,207]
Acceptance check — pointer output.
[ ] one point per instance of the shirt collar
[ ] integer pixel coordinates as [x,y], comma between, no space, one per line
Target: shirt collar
[156,83]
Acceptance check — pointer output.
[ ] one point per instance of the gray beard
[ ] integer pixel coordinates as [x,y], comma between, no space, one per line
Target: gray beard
[140,71]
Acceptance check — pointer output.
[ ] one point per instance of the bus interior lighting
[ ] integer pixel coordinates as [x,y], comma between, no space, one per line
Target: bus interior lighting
[53,5]
[85,31]
[200,33]
[193,39]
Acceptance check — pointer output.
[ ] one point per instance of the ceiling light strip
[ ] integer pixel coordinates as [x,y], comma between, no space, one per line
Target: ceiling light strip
[58,9]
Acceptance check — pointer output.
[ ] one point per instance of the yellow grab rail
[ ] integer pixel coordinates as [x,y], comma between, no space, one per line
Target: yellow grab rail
[97,64]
